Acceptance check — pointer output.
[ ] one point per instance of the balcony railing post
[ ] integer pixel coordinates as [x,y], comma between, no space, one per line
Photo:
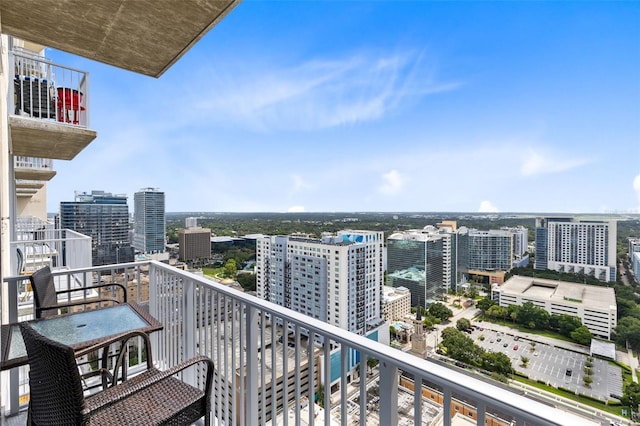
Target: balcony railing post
[388,388]
[251,388]
[188,319]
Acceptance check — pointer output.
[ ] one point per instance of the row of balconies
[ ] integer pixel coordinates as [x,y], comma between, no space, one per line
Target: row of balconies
[48,117]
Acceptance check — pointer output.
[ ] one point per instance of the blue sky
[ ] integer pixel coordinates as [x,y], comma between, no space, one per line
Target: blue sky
[379,106]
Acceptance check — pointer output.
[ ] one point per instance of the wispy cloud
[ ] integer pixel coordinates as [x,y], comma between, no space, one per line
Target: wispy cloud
[540,162]
[319,93]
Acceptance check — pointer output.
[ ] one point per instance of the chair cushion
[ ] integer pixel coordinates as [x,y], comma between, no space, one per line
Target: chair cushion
[169,401]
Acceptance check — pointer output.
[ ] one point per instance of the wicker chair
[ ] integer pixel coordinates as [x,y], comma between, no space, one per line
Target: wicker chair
[45,295]
[151,398]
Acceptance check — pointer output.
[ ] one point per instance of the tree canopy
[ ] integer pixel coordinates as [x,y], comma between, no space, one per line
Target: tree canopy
[439,310]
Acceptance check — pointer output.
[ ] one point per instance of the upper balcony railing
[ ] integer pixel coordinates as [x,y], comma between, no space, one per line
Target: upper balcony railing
[271,370]
[56,248]
[22,162]
[45,90]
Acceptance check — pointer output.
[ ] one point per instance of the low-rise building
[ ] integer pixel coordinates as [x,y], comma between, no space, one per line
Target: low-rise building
[396,303]
[594,305]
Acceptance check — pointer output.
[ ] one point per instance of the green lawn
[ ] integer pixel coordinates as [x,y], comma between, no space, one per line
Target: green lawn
[213,272]
[617,410]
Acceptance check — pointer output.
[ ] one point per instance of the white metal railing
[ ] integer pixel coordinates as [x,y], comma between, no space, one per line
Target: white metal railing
[56,248]
[35,163]
[269,370]
[45,90]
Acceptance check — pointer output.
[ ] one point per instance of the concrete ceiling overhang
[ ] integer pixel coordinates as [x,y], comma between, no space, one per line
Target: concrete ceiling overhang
[144,36]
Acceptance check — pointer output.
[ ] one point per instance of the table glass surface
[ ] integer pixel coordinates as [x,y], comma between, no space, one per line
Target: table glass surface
[81,327]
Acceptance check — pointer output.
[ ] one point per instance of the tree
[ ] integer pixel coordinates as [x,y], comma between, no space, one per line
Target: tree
[371,363]
[587,381]
[631,396]
[439,310]
[247,281]
[486,303]
[463,324]
[565,324]
[581,335]
[524,361]
[496,311]
[628,330]
[320,395]
[429,321]
[461,347]
[497,362]
[230,268]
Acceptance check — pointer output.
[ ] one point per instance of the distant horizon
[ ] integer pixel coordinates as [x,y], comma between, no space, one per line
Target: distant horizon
[534,214]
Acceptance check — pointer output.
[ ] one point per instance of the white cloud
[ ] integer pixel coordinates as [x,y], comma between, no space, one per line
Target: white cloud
[295,209]
[539,162]
[487,207]
[393,183]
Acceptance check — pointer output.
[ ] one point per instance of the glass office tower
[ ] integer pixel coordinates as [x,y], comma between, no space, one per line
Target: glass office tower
[105,218]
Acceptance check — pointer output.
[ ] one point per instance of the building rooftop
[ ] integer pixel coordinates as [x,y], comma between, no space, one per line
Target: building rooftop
[393,293]
[561,291]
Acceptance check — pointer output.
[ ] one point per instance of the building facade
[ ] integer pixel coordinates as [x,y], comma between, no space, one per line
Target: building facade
[520,239]
[424,261]
[594,305]
[488,250]
[105,218]
[149,223]
[396,303]
[195,243]
[337,278]
[579,246]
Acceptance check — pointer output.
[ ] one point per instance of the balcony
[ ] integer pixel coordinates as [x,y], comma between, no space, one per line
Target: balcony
[32,168]
[268,368]
[50,116]
[38,244]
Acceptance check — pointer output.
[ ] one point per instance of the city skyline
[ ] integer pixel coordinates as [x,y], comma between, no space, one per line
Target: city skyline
[379,106]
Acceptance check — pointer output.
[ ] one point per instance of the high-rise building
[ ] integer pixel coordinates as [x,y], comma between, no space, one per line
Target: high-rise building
[191,222]
[105,218]
[520,240]
[195,243]
[580,246]
[337,278]
[488,250]
[149,223]
[424,261]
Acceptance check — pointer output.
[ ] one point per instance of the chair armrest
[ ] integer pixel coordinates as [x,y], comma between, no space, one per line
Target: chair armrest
[122,287]
[122,391]
[119,338]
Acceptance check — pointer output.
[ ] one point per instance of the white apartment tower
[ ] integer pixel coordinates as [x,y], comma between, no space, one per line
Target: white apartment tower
[580,246]
[337,278]
[149,223]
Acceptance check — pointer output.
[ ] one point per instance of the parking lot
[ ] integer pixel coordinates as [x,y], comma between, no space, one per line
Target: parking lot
[557,367]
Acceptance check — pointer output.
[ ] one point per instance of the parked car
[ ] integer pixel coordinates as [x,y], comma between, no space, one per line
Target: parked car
[515,347]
